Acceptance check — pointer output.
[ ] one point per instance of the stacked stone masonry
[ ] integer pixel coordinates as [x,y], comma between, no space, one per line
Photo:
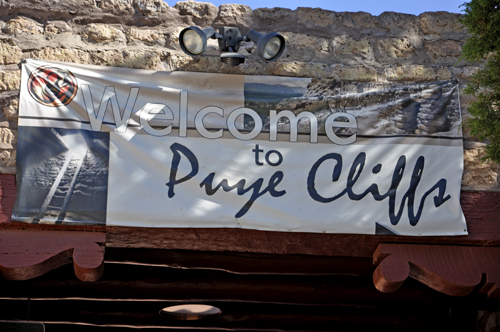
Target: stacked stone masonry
[347,46]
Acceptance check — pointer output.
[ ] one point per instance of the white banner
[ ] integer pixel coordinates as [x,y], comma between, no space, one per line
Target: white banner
[115,146]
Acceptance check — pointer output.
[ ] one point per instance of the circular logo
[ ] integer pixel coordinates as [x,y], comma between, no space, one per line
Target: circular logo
[52,86]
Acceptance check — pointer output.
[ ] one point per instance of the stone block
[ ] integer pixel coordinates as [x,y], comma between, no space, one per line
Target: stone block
[128,59]
[443,48]
[107,58]
[143,60]
[437,23]
[178,61]
[10,54]
[392,20]
[173,36]
[478,174]
[118,7]
[274,14]
[22,25]
[302,47]
[352,73]
[400,48]
[62,54]
[299,69]
[10,80]
[408,73]
[208,64]
[8,138]
[201,13]
[315,16]
[443,73]
[7,162]
[357,19]
[148,37]
[150,7]
[11,109]
[234,15]
[352,50]
[57,27]
[100,33]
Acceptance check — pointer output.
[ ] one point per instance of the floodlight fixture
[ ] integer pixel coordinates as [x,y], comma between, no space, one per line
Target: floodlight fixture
[270,46]
[193,41]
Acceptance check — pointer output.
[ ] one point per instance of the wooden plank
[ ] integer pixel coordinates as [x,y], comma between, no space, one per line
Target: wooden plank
[26,254]
[131,295]
[243,263]
[238,240]
[452,270]
[243,315]
[150,283]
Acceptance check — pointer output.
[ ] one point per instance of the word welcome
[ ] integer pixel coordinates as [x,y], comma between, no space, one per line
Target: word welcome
[163,112]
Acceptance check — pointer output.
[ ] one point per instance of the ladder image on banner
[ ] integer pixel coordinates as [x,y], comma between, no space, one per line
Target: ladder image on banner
[65,176]
[56,203]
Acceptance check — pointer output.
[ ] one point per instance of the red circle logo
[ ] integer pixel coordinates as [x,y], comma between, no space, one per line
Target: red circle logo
[52,86]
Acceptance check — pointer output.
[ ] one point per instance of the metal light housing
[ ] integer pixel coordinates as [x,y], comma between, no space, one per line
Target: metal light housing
[229,43]
[269,46]
[193,40]
[232,59]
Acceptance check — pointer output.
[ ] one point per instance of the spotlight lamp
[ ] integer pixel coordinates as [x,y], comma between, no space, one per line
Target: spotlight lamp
[270,46]
[193,41]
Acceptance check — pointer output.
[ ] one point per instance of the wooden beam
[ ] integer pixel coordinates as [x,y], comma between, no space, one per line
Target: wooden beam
[242,315]
[132,295]
[242,263]
[153,283]
[26,254]
[452,270]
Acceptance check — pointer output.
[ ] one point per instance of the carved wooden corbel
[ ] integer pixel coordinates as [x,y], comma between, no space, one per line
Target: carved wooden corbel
[453,270]
[26,254]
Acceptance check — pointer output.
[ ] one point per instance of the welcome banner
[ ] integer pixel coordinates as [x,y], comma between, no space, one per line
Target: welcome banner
[126,147]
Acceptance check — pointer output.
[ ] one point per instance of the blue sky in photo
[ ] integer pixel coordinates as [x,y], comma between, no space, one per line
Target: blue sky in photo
[373,7]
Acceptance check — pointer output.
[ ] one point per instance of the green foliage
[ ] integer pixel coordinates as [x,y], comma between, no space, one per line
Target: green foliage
[482,19]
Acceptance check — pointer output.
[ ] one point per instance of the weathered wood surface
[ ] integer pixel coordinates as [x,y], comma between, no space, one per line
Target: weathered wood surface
[243,263]
[247,316]
[156,283]
[132,295]
[26,254]
[453,270]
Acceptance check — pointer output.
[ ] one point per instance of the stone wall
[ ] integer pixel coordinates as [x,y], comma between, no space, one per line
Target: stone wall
[320,44]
